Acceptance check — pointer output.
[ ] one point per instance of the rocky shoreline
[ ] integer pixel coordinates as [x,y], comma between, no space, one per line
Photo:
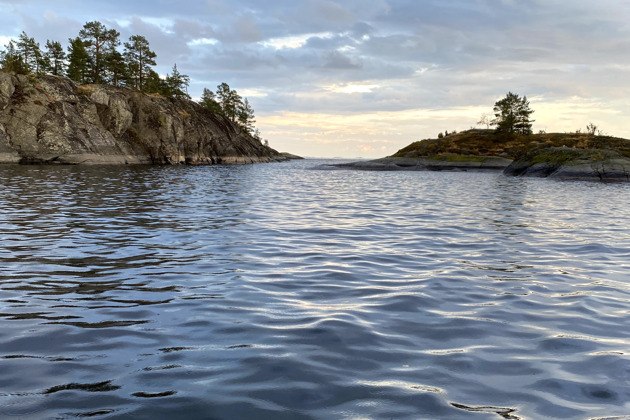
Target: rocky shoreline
[50,119]
[613,167]
[592,158]
[481,163]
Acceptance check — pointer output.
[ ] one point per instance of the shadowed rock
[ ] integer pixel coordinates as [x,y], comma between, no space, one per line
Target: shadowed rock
[567,163]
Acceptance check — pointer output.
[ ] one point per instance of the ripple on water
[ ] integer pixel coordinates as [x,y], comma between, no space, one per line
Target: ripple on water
[280,292]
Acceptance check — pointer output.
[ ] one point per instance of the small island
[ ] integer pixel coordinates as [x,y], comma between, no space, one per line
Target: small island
[513,149]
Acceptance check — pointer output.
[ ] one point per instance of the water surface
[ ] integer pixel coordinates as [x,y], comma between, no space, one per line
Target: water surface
[281,292]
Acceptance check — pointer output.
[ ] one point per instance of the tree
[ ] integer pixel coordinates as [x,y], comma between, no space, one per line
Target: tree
[485,120]
[54,58]
[178,84]
[153,83]
[99,43]
[78,60]
[209,101]
[11,61]
[139,58]
[29,52]
[512,114]
[246,116]
[229,100]
[117,68]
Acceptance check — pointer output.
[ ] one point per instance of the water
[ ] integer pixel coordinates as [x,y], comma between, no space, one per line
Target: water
[281,292]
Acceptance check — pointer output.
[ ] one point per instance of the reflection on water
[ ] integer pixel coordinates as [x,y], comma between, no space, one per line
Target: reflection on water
[277,291]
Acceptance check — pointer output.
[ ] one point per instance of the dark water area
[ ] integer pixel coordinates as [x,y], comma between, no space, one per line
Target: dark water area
[281,292]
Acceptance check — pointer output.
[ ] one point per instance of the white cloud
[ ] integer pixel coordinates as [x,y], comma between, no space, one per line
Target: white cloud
[351,88]
[293,42]
[252,93]
[202,41]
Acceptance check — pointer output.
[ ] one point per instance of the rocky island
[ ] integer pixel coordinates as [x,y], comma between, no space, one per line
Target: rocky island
[51,119]
[514,149]
[582,156]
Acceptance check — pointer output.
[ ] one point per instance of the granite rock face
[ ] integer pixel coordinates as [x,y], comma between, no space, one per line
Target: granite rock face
[577,164]
[47,119]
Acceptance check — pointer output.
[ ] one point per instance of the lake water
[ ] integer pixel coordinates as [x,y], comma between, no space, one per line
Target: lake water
[282,292]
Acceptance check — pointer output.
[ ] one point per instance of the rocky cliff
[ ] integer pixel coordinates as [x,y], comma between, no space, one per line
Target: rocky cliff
[51,119]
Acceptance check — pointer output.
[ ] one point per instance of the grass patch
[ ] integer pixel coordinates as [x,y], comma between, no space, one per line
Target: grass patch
[556,156]
[86,90]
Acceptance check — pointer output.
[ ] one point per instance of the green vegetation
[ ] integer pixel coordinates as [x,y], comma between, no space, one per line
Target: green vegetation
[513,139]
[481,142]
[512,115]
[140,60]
[94,57]
[99,43]
[230,104]
[555,155]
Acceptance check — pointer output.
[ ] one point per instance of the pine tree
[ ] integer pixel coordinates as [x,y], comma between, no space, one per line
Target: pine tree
[153,83]
[229,100]
[512,114]
[11,61]
[178,84]
[139,58]
[30,53]
[99,43]
[78,61]
[209,101]
[117,68]
[523,122]
[246,116]
[54,58]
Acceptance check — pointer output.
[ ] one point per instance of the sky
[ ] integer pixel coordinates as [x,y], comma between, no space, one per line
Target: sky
[364,78]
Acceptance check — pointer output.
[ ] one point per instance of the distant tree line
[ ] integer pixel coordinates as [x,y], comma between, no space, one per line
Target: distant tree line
[95,56]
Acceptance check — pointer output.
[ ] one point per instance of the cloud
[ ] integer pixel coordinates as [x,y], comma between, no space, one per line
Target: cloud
[328,11]
[244,29]
[337,61]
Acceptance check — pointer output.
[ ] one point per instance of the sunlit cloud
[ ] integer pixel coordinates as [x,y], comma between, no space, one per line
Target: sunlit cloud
[252,93]
[351,88]
[202,41]
[293,42]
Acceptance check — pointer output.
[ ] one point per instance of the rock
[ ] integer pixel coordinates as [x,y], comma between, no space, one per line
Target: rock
[438,163]
[569,163]
[290,156]
[7,87]
[51,119]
